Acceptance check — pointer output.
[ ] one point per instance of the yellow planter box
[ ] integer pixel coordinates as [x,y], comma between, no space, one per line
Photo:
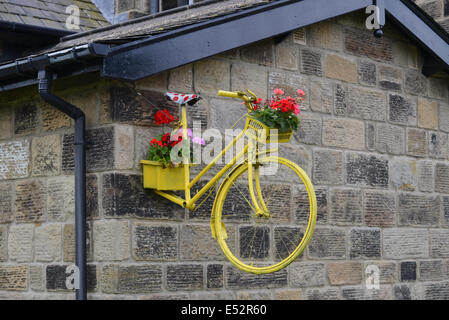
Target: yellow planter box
[155,176]
[264,134]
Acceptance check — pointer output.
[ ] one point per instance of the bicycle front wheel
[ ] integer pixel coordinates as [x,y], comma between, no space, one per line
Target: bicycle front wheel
[267,236]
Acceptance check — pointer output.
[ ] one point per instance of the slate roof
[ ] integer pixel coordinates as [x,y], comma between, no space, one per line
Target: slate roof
[51,13]
[159,23]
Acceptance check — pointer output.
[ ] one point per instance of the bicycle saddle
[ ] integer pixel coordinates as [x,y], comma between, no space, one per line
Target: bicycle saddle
[181,98]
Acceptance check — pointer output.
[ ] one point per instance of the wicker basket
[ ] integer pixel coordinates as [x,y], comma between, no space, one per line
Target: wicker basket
[264,134]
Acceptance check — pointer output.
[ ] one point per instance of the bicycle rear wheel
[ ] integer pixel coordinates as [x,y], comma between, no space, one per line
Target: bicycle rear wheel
[267,239]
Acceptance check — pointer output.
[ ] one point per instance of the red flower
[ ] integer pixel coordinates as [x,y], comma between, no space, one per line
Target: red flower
[163,116]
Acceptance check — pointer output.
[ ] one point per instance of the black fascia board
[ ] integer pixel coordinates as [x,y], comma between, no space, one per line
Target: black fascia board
[155,54]
[143,58]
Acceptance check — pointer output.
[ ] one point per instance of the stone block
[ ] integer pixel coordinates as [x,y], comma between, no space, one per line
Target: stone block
[5,122]
[341,104]
[360,42]
[344,273]
[408,271]
[367,73]
[436,291]
[321,98]
[236,279]
[3,243]
[309,131]
[25,118]
[287,56]
[425,176]
[327,167]
[53,119]
[214,276]
[37,277]
[48,243]
[379,208]
[366,170]
[197,244]
[365,243]
[311,62]
[390,139]
[46,155]
[31,201]
[325,35]
[20,243]
[261,53]
[340,68]
[415,83]
[111,240]
[246,76]
[403,174]
[123,196]
[7,201]
[181,79]
[438,145]
[155,242]
[56,277]
[328,293]
[388,272]
[390,78]
[306,274]
[431,270]
[443,117]
[211,75]
[427,113]
[302,208]
[416,142]
[344,133]
[418,210]
[442,178]
[14,156]
[363,293]
[439,243]
[402,110]
[14,277]
[404,243]
[185,277]
[327,243]
[288,294]
[366,104]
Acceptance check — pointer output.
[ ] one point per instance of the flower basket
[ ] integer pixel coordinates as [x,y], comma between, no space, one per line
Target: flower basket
[156,176]
[264,134]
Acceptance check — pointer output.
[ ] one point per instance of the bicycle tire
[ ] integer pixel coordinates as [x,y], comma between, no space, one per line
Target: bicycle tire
[238,224]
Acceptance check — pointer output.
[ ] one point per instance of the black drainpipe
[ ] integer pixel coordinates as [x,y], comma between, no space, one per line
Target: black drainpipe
[45,77]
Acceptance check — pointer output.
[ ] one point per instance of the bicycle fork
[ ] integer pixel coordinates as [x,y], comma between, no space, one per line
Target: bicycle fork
[260,208]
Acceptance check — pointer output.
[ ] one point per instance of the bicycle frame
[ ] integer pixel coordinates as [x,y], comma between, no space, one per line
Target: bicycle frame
[189,201]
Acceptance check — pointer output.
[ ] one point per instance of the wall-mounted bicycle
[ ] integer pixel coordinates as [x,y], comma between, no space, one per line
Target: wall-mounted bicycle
[265,210]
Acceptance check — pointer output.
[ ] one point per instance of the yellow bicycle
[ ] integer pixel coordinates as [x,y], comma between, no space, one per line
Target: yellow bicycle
[265,210]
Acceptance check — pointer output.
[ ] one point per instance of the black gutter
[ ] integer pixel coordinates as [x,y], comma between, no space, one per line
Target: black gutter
[27,28]
[45,78]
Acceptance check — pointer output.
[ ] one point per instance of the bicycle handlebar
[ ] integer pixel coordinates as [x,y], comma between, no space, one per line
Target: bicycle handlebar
[239,95]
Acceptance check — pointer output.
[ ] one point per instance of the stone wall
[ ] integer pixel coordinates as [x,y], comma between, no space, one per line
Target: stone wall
[437,9]
[373,138]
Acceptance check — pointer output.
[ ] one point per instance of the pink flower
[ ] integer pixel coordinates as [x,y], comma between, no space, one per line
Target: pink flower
[198,140]
[301,93]
[295,109]
[278,91]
